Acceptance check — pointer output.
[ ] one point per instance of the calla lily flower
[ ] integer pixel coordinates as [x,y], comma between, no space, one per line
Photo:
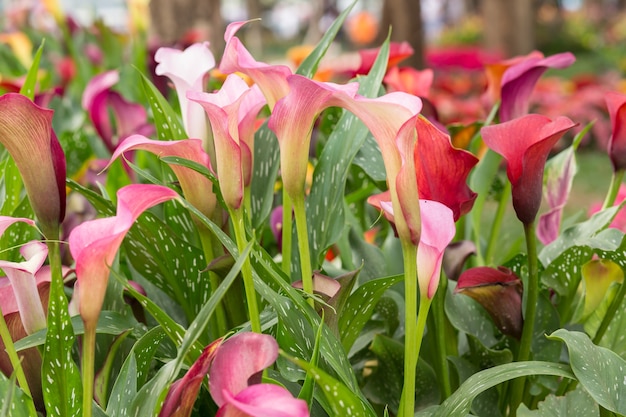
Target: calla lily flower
[232,112]
[437,230]
[409,80]
[26,132]
[99,100]
[271,79]
[186,69]
[22,278]
[94,244]
[519,80]
[558,178]
[292,122]
[499,291]
[525,143]
[235,376]
[183,393]
[616,104]
[196,188]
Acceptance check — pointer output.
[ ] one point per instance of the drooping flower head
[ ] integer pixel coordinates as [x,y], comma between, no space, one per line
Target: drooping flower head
[616,104]
[26,132]
[271,79]
[94,244]
[525,143]
[186,69]
[232,112]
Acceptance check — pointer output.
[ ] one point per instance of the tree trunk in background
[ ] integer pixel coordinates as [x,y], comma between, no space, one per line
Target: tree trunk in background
[254,30]
[405,19]
[172,20]
[509,26]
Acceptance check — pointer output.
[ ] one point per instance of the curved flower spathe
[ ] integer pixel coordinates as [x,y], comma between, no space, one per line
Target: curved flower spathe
[518,82]
[94,244]
[232,112]
[499,291]
[292,122]
[271,79]
[195,186]
[616,104]
[525,143]
[26,132]
[235,376]
[99,99]
[186,69]
[437,231]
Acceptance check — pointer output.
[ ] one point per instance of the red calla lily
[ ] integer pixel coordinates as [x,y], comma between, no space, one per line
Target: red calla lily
[616,104]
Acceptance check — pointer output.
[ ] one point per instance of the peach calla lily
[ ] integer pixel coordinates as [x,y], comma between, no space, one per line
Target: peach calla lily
[26,132]
[94,244]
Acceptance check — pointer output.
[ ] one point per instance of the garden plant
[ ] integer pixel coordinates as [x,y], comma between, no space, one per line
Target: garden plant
[224,236]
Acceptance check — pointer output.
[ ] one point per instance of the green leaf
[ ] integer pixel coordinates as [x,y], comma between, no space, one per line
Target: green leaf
[13,401]
[28,88]
[264,172]
[458,404]
[144,350]
[343,400]
[468,316]
[166,120]
[101,383]
[360,306]
[333,166]
[125,388]
[574,403]
[310,63]
[601,371]
[486,403]
[61,384]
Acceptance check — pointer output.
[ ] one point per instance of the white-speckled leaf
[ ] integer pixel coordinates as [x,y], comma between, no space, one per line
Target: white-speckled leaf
[30,82]
[601,371]
[468,316]
[166,120]
[124,390]
[13,401]
[574,403]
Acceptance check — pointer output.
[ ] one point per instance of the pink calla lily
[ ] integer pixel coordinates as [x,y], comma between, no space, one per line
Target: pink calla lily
[99,100]
[519,80]
[232,112]
[235,376]
[437,231]
[195,186]
[616,104]
[94,244]
[525,143]
[22,278]
[271,79]
[26,132]
[186,69]
[292,122]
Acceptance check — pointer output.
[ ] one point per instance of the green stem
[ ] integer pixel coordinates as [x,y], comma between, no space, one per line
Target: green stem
[610,313]
[88,361]
[287,233]
[497,223]
[616,181]
[530,312]
[411,352]
[246,270]
[439,319]
[299,211]
[207,245]
[16,363]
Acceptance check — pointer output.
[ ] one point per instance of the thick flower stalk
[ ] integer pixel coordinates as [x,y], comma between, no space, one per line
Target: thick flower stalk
[26,132]
[186,69]
[93,245]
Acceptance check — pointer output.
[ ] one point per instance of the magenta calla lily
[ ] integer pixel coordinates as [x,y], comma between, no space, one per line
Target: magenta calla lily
[437,231]
[519,80]
[235,376]
[271,79]
[292,122]
[186,69]
[616,104]
[196,188]
[232,112]
[525,143]
[99,100]
[26,132]
[94,244]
